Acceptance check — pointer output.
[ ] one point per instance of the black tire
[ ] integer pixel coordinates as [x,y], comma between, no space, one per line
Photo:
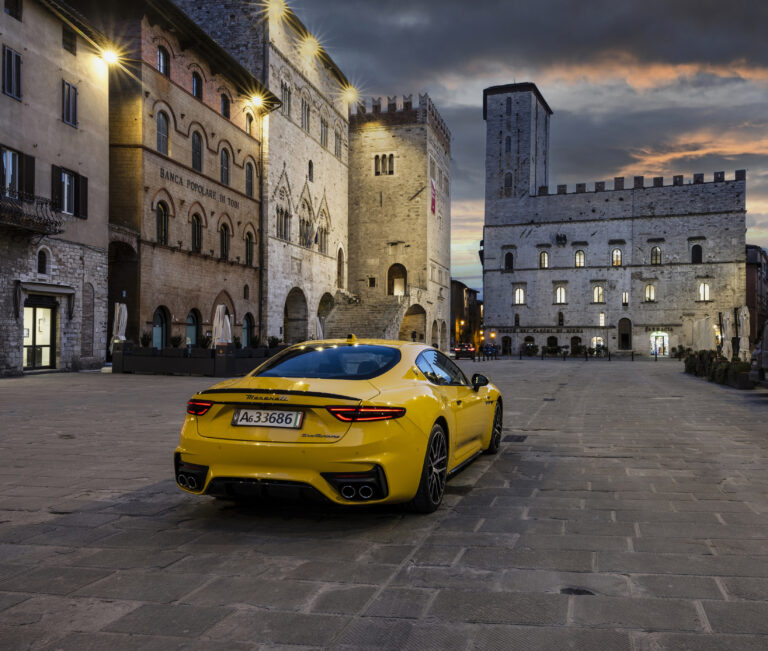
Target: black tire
[495,442]
[433,473]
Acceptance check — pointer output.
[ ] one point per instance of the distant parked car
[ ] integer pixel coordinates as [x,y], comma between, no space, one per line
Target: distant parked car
[464,350]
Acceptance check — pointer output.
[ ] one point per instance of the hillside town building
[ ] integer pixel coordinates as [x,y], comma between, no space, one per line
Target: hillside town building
[54,162]
[640,267]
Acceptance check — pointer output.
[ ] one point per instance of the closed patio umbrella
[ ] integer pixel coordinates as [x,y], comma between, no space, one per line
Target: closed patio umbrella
[744,327]
[222,328]
[727,349]
[119,324]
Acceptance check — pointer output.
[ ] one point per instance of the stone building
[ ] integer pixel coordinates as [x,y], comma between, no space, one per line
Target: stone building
[757,290]
[466,315]
[400,214]
[53,189]
[637,268]
[305,161]
[185,177]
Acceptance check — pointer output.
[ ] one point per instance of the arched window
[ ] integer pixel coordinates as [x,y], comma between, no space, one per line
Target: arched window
[247,338]
[704,291]
[225,105]
[650,293]
[224,242]
[560,295]
[163,61]
[161,213]
[197,233]
[249,179]
[519,296]
[696,254]
[543,260]
[249,124]
[616,258]
[579,259]
[656,255]
[508,184]
[160,328]
[197,151]
[224,167]
[162,133]
[391,164]
[249,249]
[508,145]
[377,165]
[509,261]
[197,85]
[509,106]
[625,298]
[246,292]
[192,328]
[384,165]
[597,294]
[311,171]
[42,262]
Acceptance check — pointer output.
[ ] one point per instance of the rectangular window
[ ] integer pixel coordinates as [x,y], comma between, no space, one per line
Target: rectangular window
[625,298]
[67,192]
[10,173]
[305,114]
[337,144]
[11,72]
[285,96]
[371,282]
[601,320]
[13,8]
[69,103]
[68,40]
[324,133]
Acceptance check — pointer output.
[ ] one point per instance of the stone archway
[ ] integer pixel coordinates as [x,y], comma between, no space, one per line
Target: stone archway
[123,287]
[323,310]
[443,335]
[414,325]
[295,317]
[625,334]
[435,339]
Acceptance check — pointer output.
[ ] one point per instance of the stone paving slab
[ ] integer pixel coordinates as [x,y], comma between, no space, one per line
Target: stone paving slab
[634,515]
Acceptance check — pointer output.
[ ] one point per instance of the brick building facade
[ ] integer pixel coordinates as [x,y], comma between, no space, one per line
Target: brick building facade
[53,190]
[637,268]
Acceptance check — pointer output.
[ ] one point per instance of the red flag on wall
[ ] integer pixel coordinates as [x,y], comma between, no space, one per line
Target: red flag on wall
[434,196]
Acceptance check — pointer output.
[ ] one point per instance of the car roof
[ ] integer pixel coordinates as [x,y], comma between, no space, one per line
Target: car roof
[391,343]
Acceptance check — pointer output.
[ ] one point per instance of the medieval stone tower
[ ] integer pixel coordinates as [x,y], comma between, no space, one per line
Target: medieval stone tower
[399,213]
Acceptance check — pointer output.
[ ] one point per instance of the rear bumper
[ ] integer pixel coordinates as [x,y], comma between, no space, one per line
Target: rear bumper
[392,450]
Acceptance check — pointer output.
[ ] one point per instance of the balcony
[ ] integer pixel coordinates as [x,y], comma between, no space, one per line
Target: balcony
[27,212]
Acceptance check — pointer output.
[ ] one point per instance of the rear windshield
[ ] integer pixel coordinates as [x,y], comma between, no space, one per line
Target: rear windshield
[344,362]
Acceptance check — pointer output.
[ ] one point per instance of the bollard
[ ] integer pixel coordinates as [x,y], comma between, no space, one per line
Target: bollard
[633,355]
[521,354]
[609,355]
[585,355]
[655,355]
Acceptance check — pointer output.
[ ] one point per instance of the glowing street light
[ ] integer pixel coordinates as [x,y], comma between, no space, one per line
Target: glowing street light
[257,101]
[110,56]
[350,94]
[309,47]
[276,9]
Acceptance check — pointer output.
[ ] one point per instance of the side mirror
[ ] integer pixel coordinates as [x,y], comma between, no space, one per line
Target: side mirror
[479,381]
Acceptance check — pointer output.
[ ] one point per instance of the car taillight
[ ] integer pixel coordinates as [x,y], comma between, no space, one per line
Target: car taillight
[471,349]
[358,414]
[198,407]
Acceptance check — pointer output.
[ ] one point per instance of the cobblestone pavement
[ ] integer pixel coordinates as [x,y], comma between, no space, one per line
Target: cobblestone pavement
[628,509]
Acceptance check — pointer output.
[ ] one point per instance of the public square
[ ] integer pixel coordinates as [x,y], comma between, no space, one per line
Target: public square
[628,509]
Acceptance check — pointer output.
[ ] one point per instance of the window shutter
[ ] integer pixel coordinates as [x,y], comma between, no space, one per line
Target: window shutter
[81,196]
[56,187]
[74,106]
[63,101]
[27,184]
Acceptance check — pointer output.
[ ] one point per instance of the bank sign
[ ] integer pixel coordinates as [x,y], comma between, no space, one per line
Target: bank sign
[194,186]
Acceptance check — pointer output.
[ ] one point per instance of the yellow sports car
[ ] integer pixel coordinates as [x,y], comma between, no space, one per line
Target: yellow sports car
[356,421]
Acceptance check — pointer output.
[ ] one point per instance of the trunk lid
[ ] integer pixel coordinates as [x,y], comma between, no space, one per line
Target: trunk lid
[241,407]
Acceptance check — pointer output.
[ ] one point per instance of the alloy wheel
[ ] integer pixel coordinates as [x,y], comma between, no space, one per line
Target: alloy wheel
[437,467]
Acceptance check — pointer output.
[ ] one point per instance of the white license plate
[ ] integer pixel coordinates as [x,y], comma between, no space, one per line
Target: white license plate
[268,418]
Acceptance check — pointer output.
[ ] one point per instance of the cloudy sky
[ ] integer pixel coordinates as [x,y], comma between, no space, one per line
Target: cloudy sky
[657,88]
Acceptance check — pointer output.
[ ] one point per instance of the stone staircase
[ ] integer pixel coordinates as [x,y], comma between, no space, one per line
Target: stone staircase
[374,318]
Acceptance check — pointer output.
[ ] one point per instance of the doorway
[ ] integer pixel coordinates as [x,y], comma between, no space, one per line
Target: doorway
[39,332]
[625,334]
[659,343]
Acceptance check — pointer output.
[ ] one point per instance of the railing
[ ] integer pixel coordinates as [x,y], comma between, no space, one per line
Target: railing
[29,212]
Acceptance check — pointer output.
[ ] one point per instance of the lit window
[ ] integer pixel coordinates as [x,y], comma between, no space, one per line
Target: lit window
[597,294]
[578,259]
[67,192]
[625,298]
[163,61]
[162,133]
[616,258]
[197,85]
[224,167]
[560,295]
[543,260]
[161,213]
[704,292]
[519,296]
[601,319]
[656,255]
[650,293]
[10,173]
